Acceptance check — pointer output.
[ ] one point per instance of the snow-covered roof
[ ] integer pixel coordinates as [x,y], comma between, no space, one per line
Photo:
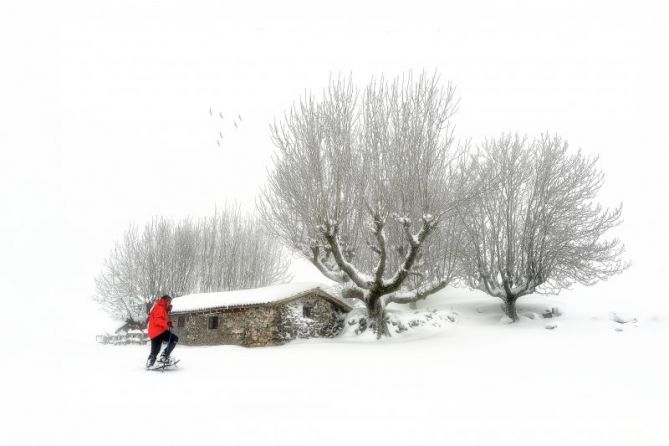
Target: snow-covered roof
[253,296]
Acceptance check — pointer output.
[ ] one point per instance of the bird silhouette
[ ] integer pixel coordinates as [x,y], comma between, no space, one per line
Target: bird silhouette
[235,124]
[210,113]
[221,134]
[220,114]
[240,117]
[218,142]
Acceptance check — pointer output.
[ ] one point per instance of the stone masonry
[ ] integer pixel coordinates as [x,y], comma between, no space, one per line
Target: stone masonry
[275,323]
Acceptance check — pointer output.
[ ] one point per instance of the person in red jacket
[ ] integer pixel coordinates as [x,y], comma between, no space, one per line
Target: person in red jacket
[159,330]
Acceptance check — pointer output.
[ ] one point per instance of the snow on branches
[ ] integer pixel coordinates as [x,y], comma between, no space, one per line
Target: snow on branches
[364,178]
[537,227]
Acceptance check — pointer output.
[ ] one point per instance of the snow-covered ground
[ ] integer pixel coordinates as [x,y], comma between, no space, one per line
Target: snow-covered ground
[473,381]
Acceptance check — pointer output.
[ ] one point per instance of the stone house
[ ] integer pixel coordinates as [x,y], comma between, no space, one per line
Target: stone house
[258,317]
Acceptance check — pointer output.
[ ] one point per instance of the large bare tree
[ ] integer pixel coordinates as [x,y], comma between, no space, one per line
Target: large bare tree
[536,225]
[227,251]
[362,181]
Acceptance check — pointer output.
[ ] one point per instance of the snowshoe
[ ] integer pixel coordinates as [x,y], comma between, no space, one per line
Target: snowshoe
[162,366]
[166,360]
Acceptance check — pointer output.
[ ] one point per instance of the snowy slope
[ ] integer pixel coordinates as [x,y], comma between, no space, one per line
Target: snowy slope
[475,381]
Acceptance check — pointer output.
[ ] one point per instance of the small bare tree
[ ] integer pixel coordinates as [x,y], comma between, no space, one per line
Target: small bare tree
[118,284]
[362,180]
[536,226]
[144,265]
[226,251]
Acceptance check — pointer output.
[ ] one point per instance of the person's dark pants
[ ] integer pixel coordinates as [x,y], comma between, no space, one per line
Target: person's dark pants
[166,336]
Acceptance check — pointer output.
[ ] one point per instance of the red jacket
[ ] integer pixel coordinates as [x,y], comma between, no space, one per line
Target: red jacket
[159,319]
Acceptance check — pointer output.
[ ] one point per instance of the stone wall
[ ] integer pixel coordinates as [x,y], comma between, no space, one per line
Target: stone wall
[323,319]
[261,325]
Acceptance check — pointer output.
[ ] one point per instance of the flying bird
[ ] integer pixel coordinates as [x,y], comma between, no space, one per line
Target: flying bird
[210,113]
[235,124]
[240,117]
[221,134]
[220,114]
[218,142]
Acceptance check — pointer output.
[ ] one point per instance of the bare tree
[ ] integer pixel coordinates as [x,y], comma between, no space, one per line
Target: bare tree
[536,226]
[118,284]
[226,251]
[237,253]
[361,180]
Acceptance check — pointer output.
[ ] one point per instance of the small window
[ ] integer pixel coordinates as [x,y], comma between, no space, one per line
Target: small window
[213,322]
[307,311]
[181,321]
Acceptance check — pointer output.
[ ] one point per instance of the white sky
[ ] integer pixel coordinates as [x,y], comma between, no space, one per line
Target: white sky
[104,114]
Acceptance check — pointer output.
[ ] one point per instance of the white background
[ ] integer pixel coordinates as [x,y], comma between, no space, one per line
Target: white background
[104,113]
[105,105]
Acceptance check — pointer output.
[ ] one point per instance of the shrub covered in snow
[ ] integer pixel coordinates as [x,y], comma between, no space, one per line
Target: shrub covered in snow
[398,322]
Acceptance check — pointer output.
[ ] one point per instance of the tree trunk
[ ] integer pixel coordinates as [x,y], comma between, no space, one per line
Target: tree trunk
[376,314]
[510,309]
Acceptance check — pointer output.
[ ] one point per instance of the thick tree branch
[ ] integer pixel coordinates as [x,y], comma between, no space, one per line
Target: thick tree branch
[381,240]
[327,272]
[329,232]
[415,242]
[419,294]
